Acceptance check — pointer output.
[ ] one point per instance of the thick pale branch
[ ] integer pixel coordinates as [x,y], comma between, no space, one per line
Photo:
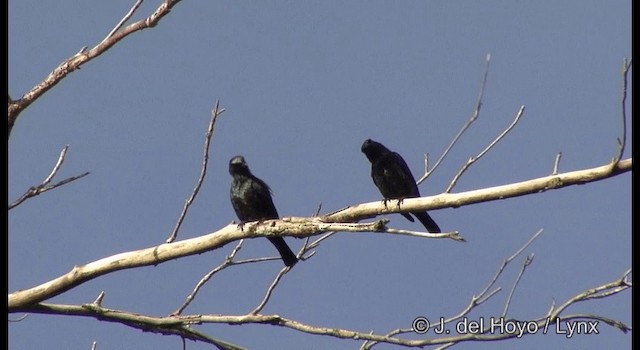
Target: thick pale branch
[303,227]
[183,325]
[454,200]
[138,258]
[169,251]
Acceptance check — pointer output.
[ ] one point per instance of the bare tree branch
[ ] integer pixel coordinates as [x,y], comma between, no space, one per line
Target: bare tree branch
[455,235]
[455,200]
[527,261]
[369,344]
[74,62]
[203,172]
[493,143]
[485,295]
[44,186]
[228,261]
[267,295]
[604,290]
[317,242]
[123,20]
[302,227]
[181,325]
[464,128]
[172,325]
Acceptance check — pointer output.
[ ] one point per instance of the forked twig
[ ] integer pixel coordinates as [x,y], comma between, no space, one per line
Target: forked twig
[45,185]
[473,118]
[493,143]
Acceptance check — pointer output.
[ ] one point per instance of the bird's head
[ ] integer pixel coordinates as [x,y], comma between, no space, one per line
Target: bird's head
[237,165]
[373,149]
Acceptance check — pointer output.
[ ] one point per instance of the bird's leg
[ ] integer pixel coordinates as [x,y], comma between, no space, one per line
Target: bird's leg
[241,226]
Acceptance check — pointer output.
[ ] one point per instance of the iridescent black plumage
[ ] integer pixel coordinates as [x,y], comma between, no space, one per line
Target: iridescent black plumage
[251,200]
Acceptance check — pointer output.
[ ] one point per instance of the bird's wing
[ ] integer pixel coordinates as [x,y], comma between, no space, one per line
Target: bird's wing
[405,176]
[261,199]
[393,177]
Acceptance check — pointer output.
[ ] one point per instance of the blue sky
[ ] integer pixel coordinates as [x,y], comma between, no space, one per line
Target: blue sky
[304,84]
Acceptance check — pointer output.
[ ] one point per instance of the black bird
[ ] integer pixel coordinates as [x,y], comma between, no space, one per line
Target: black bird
[251,200]
[393,178]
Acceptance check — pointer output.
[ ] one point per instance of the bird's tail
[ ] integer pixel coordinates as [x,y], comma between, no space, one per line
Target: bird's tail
[288,257]
[428,222]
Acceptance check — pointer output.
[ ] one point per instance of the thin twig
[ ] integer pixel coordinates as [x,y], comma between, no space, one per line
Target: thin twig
[509,259]
[45,185]
[605,290]
[317,212]
[455,235]
[322,238]
[273,285]
[123,20]
[527,261]
[475,300]
[626,279]
[556,164]
[205,160]
[445,346]
[19,318]
[483,296]
[474,117]
[493,143]
[56,167]
[227,262]
[626,65]
[368,344]
[611,322]
[99,299]
[306,246]
[94,346]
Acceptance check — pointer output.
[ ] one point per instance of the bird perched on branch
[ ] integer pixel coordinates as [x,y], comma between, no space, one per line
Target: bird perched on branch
[394,179]
[251,200]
